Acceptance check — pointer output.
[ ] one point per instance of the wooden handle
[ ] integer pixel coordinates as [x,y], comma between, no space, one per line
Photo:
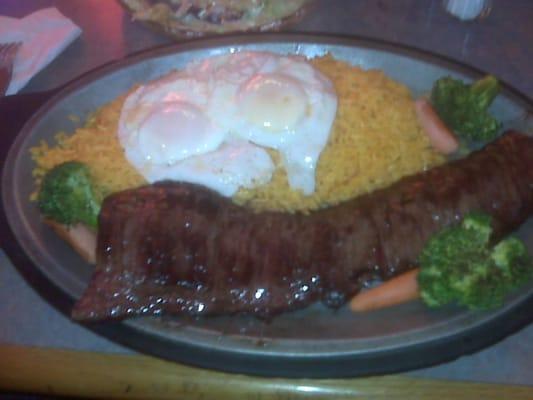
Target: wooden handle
[111,376]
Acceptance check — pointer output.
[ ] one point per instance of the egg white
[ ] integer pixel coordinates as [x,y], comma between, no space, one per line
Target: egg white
[209,123]
[281,102]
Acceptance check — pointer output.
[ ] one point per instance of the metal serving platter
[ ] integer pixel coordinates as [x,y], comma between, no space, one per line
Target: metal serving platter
[316,342]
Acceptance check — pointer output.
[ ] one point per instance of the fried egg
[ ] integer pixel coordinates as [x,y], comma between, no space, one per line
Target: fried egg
[211,122]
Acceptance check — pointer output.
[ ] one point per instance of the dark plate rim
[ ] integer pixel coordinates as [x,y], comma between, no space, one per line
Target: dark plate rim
[409,357]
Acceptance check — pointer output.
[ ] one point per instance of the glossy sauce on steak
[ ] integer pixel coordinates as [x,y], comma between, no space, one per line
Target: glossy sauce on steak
[179,248]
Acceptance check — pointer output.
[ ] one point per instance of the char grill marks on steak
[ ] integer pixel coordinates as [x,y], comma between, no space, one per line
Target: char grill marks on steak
[179,248]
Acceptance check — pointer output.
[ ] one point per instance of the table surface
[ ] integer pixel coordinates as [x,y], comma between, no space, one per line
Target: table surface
[499,43]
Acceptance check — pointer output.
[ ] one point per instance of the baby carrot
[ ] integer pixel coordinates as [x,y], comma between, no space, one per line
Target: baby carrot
[440,136]
[397,290]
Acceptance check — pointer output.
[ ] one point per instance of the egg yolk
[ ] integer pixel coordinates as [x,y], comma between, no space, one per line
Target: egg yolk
[275,102]
[173,131]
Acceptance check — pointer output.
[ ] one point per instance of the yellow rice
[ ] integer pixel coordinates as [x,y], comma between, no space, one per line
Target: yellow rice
[375,140]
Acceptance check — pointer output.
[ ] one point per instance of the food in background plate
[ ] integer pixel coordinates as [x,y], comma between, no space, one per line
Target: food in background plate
[201,17]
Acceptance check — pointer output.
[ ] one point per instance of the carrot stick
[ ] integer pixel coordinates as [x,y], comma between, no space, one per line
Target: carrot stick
[440,136]
[80,237]
[397,290]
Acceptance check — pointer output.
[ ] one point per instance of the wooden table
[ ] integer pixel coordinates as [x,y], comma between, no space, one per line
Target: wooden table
[98,375]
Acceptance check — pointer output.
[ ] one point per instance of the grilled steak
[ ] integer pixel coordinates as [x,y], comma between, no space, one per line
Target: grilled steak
[180,248]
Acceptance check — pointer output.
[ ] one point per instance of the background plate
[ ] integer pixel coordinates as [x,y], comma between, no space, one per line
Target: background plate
[311,342]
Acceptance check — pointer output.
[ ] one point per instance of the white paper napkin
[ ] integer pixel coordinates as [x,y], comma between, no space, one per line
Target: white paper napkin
[44,34]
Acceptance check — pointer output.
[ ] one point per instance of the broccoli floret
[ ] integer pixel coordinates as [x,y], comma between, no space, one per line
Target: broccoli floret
[67,195]
[464,108]
[459,266]
[480,224]
[511,256]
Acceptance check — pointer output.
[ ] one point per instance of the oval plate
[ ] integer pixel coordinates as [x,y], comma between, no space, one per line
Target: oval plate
[316,342]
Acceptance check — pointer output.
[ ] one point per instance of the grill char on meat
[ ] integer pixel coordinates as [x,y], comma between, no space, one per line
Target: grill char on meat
[182,249]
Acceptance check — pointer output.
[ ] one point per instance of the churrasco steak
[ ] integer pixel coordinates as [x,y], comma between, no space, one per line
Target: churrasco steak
[178,248]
